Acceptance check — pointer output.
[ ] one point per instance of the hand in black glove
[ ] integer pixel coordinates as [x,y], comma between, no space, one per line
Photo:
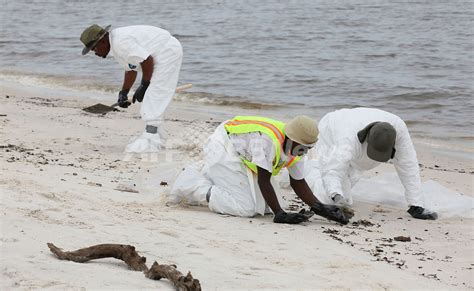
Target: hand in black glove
[289,218]
[421,213]
[331,212]
[307,213]
[140,92]
[123,99]
[347,209]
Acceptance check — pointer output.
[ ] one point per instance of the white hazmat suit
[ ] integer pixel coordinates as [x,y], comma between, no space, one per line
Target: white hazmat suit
[232,188]
[340,158]
[130,46]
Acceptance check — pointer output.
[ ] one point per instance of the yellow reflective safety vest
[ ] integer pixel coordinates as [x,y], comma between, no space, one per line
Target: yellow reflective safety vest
[273,128]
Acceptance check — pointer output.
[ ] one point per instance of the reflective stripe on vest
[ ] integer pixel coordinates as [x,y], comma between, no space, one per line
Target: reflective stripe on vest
[292,161]
[272,128]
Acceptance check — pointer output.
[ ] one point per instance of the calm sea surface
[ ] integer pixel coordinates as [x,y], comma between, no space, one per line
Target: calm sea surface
[413,58]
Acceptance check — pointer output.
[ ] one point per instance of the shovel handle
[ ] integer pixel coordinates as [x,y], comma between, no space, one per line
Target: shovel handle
[183,87]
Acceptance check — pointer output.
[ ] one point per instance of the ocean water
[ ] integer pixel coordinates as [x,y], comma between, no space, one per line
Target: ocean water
[412,58]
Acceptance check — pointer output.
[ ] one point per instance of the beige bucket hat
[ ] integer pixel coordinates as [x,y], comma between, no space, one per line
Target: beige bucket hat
[303,130]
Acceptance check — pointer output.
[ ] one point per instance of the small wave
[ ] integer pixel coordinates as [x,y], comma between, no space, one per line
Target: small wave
[30,54]
[411,123]
[343,8]
[332,106]
[224,100]
[305,81]
[184,36]
[22,42]
[433,76]
[392,55]
[91,87]
[417,96]
[415,106]
[427,106]
[351,23]
[446,144]
[60,82]
[374,6]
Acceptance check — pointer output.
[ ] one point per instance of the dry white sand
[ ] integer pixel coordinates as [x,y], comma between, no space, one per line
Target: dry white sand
[61,168]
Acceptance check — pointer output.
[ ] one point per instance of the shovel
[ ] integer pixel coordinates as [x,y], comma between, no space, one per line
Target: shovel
[100,108]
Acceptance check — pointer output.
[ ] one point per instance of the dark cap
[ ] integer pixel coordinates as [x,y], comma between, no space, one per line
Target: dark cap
[380,140]
[91,36]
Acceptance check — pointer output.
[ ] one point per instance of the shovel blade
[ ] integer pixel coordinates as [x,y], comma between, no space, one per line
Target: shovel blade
[99,108]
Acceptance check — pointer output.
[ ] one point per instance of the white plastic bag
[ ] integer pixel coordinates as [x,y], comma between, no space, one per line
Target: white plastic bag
[387,189]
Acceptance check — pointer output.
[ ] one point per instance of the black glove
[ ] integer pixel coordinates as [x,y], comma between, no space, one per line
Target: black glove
[289,218]
[331,212]
[421,213]
[140,92]
[123,99]
[307,213]
[339,201]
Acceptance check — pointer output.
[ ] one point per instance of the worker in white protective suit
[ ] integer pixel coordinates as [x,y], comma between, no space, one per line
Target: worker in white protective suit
[158,55]
[355,140]
[240,158]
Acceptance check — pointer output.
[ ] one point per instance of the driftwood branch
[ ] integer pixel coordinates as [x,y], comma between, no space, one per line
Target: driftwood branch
[181,282]
[135,262]
[125,253]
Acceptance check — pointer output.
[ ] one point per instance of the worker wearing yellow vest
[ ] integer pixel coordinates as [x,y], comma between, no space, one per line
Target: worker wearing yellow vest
[240,158]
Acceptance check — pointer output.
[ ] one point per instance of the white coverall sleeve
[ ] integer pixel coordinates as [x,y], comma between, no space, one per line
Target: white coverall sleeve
[336,164]
[133,53]
[297,170]
[406,164]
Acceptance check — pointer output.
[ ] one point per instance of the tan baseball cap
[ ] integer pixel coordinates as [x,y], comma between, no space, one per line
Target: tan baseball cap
[91,36]
[303,130]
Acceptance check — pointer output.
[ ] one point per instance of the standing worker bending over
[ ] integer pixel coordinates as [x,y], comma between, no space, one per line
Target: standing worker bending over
[158,55]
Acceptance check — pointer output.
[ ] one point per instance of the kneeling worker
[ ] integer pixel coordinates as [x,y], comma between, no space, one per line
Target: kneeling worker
[245,152]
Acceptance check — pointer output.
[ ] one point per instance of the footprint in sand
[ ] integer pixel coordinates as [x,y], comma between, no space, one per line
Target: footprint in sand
[55,284]
[50,196]
[247,274]
[259,269]
[8,240]
[170,233]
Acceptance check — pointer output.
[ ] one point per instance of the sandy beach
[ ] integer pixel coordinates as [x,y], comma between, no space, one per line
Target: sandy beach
[63,179]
